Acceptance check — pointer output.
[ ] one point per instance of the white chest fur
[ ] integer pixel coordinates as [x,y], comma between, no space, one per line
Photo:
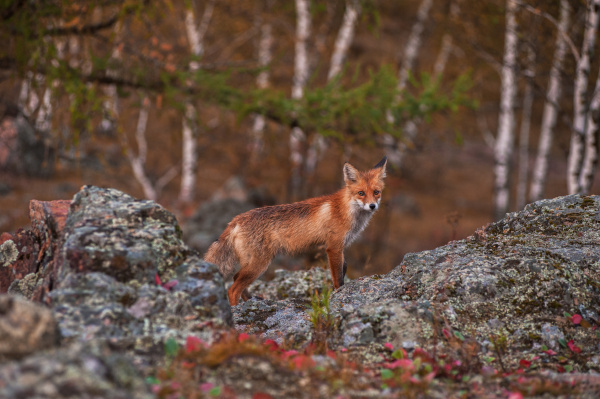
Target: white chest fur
[360,221]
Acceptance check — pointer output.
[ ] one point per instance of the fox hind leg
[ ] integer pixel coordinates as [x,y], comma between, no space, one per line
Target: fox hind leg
[245,294]
[248,273]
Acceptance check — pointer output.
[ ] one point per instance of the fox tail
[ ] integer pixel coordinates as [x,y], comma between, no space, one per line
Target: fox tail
[221,253]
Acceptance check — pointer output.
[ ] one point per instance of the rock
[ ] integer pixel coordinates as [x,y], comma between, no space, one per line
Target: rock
[8,253]
[293,284]
[551,335]
[25,328]
[507,280]
[111,232]
[75,371]
[35,248]
[48,218]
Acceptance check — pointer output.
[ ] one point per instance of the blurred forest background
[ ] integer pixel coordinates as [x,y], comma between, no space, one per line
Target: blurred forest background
[481,106]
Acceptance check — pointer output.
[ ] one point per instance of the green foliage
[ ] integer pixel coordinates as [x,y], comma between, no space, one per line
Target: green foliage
[353,107]
[320,313]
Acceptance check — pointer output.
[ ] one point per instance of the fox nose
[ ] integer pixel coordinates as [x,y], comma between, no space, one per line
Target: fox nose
[372,206]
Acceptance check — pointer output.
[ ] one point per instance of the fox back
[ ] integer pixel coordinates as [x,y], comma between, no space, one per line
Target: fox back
[252,238]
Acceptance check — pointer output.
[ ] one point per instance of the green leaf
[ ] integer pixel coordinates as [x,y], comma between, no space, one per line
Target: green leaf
[386,374]
[568,368]
[567,314]
[562,342]
[458,335]
[398,354]
[151,380]
[171,347]
[544,348]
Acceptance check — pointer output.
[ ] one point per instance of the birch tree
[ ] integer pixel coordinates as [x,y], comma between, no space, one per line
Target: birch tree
[523,174]
[340,52]
[395,150]
[297,136]
[504,142]
[111,103]
[189,159]
[262,82]
[579,138]
[551,107]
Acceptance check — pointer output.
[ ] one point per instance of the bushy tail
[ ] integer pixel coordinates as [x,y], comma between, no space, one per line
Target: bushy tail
[221,254]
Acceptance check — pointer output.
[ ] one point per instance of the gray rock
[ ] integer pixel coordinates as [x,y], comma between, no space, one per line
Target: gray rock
[75,371]
[551,335]
[25,327]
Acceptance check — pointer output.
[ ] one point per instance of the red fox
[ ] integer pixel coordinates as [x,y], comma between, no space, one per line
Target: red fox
[252,238]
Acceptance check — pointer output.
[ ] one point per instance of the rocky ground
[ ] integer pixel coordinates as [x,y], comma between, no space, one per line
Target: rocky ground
[104,299]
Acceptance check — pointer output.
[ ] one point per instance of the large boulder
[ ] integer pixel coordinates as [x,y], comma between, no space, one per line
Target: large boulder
[519,280]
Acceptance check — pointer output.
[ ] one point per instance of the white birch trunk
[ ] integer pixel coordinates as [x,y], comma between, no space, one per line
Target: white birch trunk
[340,51]
[111,104]
[590,158]
[580,108]
[504,144]
[138,162]
[521,197]
[189,157]
[540,169]
[297,136]
[344,38]
[447,44]
[395,150]
[262,82]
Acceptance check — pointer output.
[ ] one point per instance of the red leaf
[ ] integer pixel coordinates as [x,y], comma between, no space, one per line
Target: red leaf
[515,395]
[170,284]
[550,352]
[193,344]
[331,354]
[561,369]
[271,345]
[524,363]
[261,395]
[573,347]
[157,279]
[576,319]
[242,337]
[446,333]
[389,346]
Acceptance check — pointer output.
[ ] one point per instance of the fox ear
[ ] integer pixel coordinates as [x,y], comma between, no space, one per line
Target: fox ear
[350,173]
[381,164]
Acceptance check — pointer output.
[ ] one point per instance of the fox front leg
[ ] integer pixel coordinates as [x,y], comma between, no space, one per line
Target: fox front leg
[337,265]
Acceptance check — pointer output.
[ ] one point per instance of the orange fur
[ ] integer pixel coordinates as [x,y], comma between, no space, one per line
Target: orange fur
[253,238]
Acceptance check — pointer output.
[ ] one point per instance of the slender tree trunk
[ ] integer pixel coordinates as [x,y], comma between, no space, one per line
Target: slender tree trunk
[340,51]
[111,104]
[262,82]
[395,150]
[506,120]
[297,136]
[578,138]
[540,169]
[447,43]
[590,160]
[138,162]
[522,181]
[189,159]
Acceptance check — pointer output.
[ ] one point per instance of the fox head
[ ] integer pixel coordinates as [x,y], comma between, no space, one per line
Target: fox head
[365,187]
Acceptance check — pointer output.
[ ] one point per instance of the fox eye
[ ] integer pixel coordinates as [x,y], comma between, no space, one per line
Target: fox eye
[361,193]
[376,192]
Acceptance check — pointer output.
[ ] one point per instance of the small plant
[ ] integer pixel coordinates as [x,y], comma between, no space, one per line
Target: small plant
[321,318]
